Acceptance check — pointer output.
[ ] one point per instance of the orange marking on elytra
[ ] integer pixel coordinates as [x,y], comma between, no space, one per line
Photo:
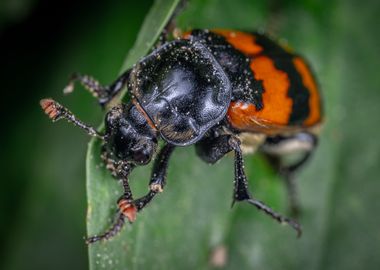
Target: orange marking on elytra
[314,100]
[244,42]
[277,105]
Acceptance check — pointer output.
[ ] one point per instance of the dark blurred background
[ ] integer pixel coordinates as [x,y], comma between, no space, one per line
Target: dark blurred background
[43,196]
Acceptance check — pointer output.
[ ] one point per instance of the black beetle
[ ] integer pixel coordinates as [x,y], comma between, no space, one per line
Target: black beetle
[201,89]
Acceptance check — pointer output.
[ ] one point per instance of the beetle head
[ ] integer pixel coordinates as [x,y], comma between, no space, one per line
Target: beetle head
[128,135]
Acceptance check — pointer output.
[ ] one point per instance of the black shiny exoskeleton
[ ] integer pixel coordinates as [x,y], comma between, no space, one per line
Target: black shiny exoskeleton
[180,94]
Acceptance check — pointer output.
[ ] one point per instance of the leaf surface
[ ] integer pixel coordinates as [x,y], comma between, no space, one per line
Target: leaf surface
[191,219]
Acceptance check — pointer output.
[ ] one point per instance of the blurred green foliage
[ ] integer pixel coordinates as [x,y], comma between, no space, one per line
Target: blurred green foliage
[42,202]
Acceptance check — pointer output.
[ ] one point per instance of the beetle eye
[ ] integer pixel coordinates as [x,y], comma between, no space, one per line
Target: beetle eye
[142,153]
[141,157]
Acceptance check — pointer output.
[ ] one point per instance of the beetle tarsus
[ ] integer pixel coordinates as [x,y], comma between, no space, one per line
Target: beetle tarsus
[281,219]
[114,230]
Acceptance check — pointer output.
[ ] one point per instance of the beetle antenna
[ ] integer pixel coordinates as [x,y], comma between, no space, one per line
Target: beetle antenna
[56,111]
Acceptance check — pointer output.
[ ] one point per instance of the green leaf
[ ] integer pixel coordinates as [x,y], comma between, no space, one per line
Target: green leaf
[185,224]
[101,188]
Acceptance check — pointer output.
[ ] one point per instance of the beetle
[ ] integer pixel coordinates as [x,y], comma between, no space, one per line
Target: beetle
[220,90]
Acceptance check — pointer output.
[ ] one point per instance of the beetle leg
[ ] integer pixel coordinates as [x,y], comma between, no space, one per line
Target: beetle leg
[56,111]
[278,148]
[158,178]
[291,188]
[241,192]
[126,209]
[103,93]
[170,27]
[211,149]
